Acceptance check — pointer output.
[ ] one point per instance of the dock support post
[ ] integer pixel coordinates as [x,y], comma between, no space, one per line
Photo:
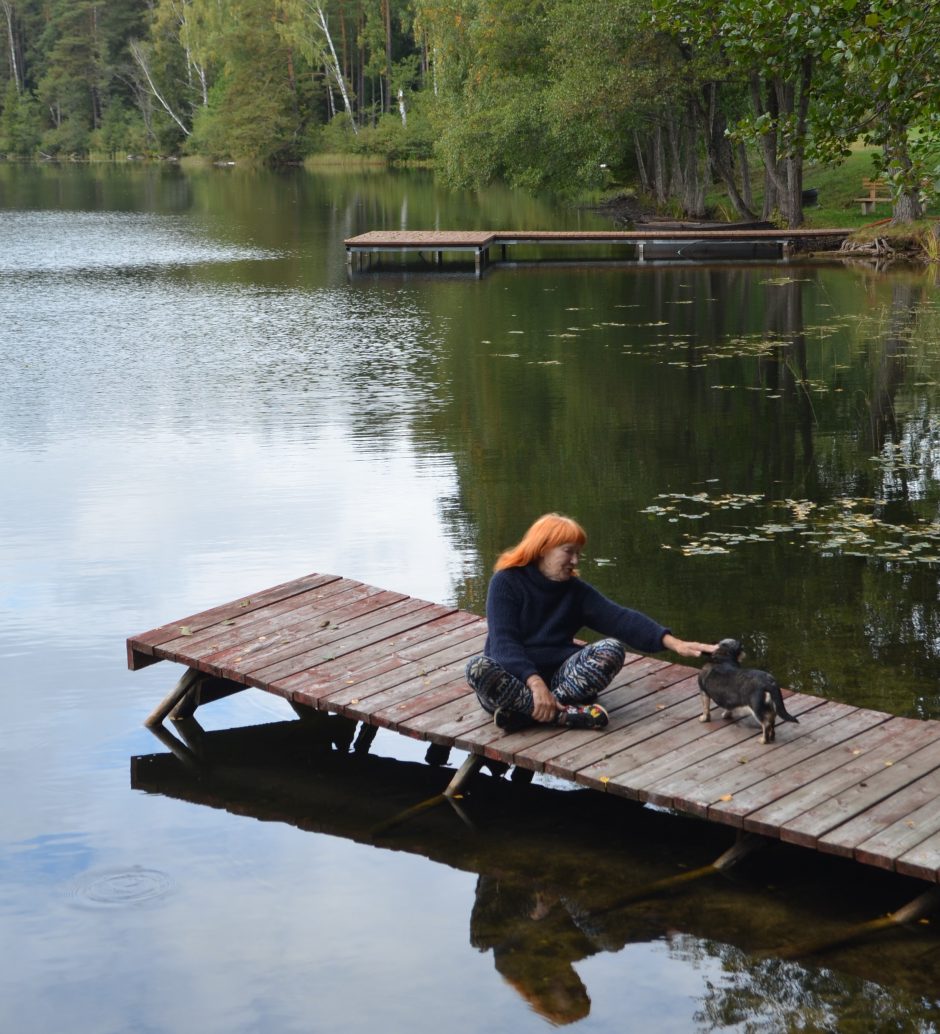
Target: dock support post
[478,261]
[914,910]
[467,769]
[639,251]
[169,702]
[743,846]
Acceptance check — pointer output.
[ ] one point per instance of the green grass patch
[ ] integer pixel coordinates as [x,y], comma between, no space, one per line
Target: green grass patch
[838,187]
[339,159]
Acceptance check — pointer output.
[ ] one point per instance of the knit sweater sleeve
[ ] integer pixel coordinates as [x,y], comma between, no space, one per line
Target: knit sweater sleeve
[505,640]
[629,626]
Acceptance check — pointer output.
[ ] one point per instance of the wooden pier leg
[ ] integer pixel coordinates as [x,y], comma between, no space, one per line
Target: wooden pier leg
[349,260]
[478,261]
[746,844]
[503,250]
[169,702]
[179,750]
[639,251]
[921,906]
[466,770]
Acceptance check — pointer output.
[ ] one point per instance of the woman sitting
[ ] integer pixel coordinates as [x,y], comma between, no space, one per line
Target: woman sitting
[531,668]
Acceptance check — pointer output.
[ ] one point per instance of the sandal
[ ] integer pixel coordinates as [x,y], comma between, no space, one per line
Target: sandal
[585,716]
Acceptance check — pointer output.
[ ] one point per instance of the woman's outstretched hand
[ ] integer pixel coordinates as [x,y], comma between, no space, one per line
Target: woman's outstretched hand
[687,649]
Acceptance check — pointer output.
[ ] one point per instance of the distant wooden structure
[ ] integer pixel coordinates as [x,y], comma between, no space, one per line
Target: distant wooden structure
[694,245]
[845,780]
[876,193]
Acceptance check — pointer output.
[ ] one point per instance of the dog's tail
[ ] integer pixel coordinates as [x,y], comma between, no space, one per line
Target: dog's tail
[782,713]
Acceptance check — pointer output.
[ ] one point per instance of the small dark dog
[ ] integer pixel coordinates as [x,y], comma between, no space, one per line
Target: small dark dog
[723,680]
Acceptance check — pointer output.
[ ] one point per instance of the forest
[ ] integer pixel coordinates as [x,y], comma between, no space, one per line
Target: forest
[566,96]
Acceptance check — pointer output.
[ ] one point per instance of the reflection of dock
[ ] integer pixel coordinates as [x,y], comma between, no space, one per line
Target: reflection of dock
[315,775]
[846,781]
[656,243]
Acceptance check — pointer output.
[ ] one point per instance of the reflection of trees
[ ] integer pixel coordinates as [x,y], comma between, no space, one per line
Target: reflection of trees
[593,390]
[771,995]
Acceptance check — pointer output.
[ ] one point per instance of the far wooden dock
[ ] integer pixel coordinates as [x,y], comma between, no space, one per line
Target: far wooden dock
[846,780]
[644,245]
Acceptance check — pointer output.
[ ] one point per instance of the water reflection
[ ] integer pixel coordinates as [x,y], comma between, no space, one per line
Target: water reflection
[196,404]
[553,867]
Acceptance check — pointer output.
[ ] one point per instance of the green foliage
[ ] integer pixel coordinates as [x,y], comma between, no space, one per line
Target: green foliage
[559,95]
[20,126]
[122,132]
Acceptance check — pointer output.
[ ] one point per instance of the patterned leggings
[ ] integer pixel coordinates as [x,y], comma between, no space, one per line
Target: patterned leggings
[577,681]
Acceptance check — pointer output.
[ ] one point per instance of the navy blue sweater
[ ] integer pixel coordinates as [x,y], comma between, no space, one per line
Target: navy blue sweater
[532,621]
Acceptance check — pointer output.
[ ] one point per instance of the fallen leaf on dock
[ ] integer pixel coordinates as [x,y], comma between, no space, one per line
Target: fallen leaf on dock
[185,630]
[726,797]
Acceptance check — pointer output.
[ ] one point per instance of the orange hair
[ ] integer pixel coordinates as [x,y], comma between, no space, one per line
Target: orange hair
[550,530]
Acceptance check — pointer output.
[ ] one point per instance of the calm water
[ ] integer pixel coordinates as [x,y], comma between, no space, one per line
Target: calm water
[197,403]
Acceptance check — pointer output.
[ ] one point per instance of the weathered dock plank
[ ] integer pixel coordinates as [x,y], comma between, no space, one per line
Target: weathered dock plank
[844,780]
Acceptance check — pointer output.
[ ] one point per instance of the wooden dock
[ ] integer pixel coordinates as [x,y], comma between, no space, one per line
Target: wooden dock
[845,780]
[642,245]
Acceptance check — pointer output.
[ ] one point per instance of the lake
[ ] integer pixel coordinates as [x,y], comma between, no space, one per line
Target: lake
[198,403]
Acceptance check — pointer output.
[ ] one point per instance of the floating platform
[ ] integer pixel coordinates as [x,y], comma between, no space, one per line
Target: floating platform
[846,780]
[492,247]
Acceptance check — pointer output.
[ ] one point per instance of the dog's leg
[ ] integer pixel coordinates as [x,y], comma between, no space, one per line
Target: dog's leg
[706,706]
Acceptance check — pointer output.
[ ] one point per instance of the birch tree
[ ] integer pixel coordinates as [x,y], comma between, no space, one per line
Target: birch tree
[139,53]
[9,15]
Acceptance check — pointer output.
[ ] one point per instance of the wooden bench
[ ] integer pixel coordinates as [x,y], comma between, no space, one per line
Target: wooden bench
[877,194]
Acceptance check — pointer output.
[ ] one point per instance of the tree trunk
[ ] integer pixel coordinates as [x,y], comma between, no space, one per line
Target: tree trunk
[908,204]
[336,70]
[774,185]
[11,36]
[640,164]
[659,165]
[387,12]
[718,148]
[141,58]
[747,194]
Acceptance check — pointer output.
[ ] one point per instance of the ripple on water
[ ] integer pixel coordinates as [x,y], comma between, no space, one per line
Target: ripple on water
[119,888]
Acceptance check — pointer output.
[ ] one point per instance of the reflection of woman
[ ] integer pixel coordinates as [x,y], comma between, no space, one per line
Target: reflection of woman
[534,942]
[531,668]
